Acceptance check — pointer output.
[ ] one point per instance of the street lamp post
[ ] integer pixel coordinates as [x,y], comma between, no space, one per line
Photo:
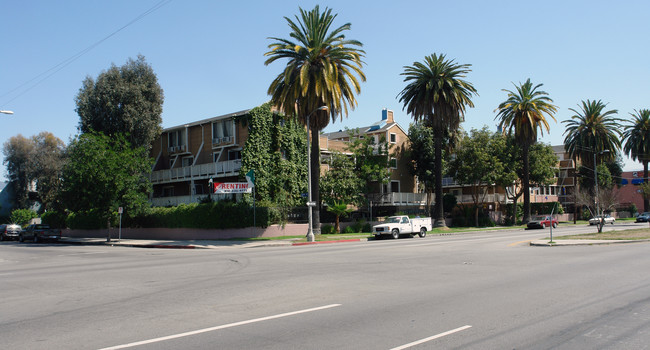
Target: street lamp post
[310,204]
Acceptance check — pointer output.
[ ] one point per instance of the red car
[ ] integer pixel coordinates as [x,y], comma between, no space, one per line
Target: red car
[542,221]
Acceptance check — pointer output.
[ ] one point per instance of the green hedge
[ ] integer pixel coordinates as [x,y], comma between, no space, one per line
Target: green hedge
[216,215]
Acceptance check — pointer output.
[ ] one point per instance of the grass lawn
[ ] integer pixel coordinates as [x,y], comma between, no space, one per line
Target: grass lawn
[636,234]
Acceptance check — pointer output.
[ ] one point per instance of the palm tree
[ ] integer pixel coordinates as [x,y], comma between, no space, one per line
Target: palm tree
[590,131]
[321,71]
[523,113]
[637,143]
[436,92]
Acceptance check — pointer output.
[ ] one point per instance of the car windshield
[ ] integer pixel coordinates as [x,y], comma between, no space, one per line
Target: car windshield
[394,220]
[41,227]
[539,218]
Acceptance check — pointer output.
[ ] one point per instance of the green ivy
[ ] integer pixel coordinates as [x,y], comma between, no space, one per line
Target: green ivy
[276,149]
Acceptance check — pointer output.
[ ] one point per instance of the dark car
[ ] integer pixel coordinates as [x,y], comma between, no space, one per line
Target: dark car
[9,231]
[643,217]
[542,221]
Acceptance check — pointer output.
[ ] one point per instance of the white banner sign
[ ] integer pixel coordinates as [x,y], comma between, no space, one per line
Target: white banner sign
[233,187]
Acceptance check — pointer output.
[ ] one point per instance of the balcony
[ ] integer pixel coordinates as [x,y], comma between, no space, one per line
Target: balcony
[177,149]
[197,172]
[398,198]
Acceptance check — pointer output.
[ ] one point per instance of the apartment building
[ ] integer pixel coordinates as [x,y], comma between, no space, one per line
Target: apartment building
[401,190]
[187,156]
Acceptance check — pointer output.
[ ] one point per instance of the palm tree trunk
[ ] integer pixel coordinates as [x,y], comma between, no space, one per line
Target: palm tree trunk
[315,178]
[439,216]
[526,183]
[646,200]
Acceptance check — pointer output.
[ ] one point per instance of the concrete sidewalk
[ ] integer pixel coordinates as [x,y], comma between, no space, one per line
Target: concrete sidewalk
[175,244]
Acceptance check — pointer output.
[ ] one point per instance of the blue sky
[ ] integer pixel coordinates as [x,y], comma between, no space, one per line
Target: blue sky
[208,55]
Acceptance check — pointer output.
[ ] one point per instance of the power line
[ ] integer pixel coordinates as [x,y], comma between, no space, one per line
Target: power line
[50,72]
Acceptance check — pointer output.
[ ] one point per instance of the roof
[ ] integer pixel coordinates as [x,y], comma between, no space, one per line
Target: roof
[376,127]
[208,120]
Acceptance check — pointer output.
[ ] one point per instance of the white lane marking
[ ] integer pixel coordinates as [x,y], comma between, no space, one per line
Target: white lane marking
[199,331]
[417,342]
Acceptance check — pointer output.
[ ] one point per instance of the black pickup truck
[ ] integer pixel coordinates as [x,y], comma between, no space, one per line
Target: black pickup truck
[39,232]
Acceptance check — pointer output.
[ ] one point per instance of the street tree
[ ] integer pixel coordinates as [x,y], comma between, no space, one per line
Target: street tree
[323,69]
[104,173]
[637,143]
[123,100]
[48,160]
[437,93]
[522,114]
[477,164]
[18,152]
[542,169]
[341,183]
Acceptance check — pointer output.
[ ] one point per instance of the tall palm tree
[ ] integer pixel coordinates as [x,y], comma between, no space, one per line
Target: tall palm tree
[592,130]
[523,114]
[637,143]
[323,69]
[436,92]
[589,133]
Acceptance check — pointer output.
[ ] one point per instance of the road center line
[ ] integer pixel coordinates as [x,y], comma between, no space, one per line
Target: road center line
[199,331]
[417,342]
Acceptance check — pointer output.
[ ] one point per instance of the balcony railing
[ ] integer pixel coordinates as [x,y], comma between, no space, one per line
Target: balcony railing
[398,198]
[200,171]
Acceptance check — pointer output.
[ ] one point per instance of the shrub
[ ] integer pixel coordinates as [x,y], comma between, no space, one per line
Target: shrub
[55,219]
[22,216]
[327,229]
[349,229]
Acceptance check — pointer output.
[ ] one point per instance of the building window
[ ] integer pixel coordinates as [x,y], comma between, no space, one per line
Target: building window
[394,186]
[198,189]
[176,140]
[222,131]
[187,161]
[393,163]
[168,191]
[234,155]
[393,138]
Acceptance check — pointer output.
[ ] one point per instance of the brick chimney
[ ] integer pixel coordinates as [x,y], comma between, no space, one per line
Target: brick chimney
[387,115]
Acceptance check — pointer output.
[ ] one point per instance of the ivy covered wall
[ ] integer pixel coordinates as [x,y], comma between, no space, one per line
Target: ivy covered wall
[276,149]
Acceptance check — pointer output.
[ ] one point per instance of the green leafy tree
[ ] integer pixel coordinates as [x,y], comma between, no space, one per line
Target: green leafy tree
[637,143]
[323,69]
[123,100]
[104,173]
[422,154]
[18,152]
[49,159]
[22,216]
[477,164]
[542,169]
[437,92]
[371,160]
[522,114]
[341,183]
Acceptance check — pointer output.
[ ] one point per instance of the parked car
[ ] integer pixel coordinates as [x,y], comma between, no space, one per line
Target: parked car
[9,231]
[643,217]
[542,221]
[608,219]
[39,232]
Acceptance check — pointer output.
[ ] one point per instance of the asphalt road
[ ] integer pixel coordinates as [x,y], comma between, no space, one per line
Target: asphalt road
[471,291]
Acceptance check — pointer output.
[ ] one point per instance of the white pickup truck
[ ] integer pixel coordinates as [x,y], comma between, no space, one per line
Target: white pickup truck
[402,225]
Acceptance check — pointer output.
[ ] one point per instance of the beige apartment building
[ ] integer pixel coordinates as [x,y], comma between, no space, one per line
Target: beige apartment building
[187,156]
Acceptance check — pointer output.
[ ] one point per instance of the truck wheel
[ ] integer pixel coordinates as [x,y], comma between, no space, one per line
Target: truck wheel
[35,238]
[21,238]
[395,233]
[423,232]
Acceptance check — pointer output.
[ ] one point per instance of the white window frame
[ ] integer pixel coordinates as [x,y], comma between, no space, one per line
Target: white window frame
[392,137]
